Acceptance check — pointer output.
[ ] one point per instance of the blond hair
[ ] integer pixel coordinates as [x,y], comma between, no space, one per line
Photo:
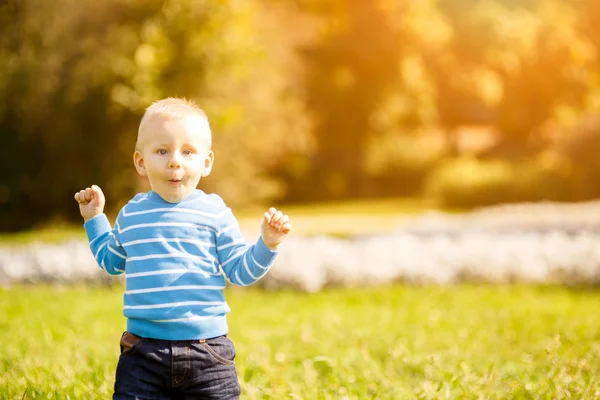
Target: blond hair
[172,108]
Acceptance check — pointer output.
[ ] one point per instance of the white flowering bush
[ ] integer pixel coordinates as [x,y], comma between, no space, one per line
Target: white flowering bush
[535,243]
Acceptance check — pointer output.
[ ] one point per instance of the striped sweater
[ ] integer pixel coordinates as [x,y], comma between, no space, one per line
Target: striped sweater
[176,259]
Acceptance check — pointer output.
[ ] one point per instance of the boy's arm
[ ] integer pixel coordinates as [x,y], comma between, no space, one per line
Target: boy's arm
[241,263]
[107,250]
[109,254]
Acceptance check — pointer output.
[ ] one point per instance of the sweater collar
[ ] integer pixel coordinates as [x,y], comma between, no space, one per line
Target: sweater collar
[153,196]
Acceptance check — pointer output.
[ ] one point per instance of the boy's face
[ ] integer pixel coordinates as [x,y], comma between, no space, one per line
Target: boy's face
[174,155]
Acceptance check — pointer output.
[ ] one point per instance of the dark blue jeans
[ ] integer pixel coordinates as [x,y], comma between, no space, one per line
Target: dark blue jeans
[182,369]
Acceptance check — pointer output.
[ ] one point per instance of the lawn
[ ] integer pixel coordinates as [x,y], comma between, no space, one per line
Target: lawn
[391,342]
[332,218]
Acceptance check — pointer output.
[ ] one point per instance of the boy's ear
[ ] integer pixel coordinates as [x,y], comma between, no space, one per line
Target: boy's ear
[138,161]
[208,163]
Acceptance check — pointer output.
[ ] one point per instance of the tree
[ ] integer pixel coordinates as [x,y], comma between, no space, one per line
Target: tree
[524,53]
[77,79]
[349,68]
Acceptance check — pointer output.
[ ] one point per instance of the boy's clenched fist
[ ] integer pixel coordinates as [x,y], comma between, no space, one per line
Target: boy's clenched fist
[91,202]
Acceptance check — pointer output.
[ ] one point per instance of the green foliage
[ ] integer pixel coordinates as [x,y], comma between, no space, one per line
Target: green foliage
[348,69]
[297,93]
[469,182]
[78,79]
[399,163]
[384,343]
[578,148]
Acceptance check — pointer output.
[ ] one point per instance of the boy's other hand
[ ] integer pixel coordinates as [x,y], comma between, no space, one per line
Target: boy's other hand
[91,202]
[275,228]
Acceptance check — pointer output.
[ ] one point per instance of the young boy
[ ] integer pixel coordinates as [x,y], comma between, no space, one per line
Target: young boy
[177,246]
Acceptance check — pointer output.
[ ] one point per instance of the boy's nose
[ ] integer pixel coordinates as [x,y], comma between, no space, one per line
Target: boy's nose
[175,160]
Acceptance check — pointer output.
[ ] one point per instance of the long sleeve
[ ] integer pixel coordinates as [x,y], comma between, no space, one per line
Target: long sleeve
[176,259]
[242,264]
[107,250]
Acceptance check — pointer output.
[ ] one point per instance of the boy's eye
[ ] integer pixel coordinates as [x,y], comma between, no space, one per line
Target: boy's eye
[187,152]
[162,152]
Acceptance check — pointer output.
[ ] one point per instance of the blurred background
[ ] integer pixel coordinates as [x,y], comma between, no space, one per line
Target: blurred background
[452,103]
[443,152]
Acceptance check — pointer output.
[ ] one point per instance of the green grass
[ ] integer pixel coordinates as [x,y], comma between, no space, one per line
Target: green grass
[51,234]
[393,342]
[344,218]
[333,218]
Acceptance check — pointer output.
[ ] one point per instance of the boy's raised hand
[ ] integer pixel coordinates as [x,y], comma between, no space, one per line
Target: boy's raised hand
[91,202]
[275,228]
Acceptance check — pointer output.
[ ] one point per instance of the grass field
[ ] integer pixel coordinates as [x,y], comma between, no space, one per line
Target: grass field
[392,342]
[332,218]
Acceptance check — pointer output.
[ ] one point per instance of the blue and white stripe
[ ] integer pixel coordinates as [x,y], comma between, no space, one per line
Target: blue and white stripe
[177,259]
